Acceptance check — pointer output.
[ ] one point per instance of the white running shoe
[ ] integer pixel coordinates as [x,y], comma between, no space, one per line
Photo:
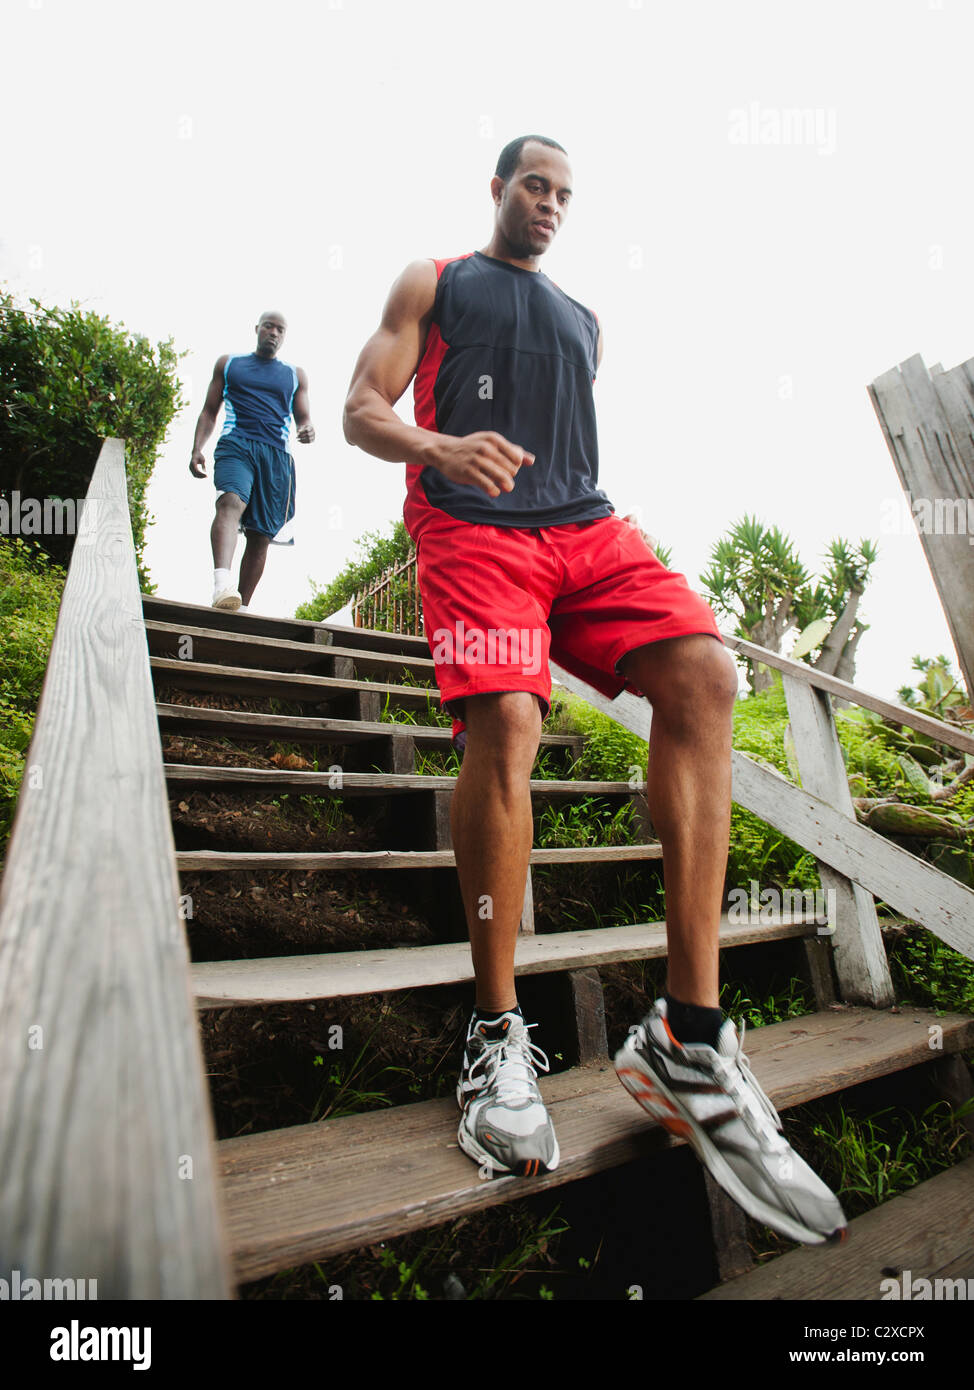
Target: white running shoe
[227,599]
[710,1097]
[504,1126]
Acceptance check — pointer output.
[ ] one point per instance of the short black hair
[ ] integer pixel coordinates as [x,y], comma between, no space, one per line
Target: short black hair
[510,156]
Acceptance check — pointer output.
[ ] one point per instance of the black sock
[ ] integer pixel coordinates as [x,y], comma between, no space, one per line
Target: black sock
[691,1023]
[492,1015]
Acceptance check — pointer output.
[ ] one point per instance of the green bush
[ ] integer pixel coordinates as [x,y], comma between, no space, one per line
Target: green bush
[929,974]
[378,553]
[30,595]
[68,380]
[611,753]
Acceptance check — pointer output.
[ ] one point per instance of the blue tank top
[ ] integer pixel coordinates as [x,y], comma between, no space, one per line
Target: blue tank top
[507,350]
[257,396]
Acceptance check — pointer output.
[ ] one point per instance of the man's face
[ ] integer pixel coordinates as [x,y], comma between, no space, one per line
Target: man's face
[534,201]
[270,335]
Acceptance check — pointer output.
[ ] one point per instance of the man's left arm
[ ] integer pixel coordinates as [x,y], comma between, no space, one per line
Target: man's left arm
[301,410]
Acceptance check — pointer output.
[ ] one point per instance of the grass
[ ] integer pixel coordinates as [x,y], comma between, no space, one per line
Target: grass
[364,1083]
[324,813]
[584,824]
[928,973]
[437,762]
[793,1001]
[431,715]
[447,1262]
[636,894]
[869,1159]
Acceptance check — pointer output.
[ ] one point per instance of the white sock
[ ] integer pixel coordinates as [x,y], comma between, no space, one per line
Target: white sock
[221,580]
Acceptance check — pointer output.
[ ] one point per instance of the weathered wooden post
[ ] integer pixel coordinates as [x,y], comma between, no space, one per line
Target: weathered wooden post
[927,418]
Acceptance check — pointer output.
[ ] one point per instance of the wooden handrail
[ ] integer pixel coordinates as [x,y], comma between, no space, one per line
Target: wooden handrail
[937,729]
[106,1141]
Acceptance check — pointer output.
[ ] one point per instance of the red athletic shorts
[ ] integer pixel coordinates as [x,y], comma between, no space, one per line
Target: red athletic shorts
[499,601]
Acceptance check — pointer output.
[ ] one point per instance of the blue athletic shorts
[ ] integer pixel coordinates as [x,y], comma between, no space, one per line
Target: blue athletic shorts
[261,476]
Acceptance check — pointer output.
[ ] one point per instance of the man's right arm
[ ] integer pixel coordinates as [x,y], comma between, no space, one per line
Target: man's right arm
[207,421]
[385,367]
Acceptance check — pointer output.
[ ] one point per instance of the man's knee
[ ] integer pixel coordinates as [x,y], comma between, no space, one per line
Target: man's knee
[686,677]
[507,724]
[231,504]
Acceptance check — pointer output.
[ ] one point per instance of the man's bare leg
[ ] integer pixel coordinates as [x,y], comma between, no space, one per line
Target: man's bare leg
[679,1080]
[223,533]
[492,827]
[252,564]
[691,683]
[504,1125]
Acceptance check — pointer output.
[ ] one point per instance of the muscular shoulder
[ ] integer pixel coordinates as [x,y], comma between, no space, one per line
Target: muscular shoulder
[412,295]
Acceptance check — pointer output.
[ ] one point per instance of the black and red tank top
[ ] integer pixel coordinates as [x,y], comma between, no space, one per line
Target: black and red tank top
[507,350]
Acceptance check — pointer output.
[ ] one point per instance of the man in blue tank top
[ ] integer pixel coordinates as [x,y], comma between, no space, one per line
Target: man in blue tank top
[252,469]
[520,555]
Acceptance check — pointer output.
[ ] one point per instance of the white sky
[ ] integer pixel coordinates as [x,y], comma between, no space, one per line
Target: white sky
[182,166]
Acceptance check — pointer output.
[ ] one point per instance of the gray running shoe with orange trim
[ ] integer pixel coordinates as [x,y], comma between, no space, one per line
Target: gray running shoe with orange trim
[504,1127]
[709,1097]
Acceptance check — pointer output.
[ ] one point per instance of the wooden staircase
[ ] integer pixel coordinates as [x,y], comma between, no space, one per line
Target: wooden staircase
[317,1190]
[94,971]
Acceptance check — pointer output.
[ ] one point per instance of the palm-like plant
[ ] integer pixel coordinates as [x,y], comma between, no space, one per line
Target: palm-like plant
[757,578]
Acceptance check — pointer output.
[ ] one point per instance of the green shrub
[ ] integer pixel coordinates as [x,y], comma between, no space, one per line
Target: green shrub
[611,753]
[30,595]
[378,553]
[68,380]
[930,974]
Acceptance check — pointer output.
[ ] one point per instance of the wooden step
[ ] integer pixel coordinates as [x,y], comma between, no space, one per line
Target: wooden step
[250,727]
[167,610]
[290,629]
[277,654]
[928,1231]
[209,860]
[292,979]
[231,779]
[403,642]
[281,685]
[316,1190]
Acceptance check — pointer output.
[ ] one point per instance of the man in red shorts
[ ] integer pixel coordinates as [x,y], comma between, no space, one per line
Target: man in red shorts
[520,556]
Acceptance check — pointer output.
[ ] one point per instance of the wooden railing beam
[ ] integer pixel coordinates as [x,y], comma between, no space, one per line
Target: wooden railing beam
[106,1146]
[950,734]
[860,955]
